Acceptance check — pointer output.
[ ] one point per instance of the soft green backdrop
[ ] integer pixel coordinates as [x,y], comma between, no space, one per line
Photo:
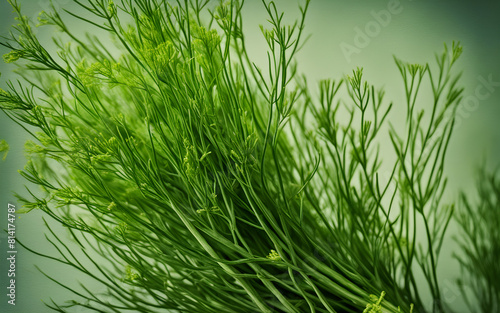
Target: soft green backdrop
[414,32]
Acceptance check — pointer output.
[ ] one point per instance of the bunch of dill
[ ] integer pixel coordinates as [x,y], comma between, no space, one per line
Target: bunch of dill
[211,185]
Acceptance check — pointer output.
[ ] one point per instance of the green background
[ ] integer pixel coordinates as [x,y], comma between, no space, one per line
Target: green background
[414,34]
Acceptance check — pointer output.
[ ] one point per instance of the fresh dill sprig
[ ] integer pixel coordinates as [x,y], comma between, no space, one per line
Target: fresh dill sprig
[480,245]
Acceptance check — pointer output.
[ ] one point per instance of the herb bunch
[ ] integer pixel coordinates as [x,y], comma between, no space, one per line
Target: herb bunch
[212,185]
[480,249]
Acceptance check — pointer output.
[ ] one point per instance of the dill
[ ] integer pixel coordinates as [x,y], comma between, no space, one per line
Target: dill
[211,185]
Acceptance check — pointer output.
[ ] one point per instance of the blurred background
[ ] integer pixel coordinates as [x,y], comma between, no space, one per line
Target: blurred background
[343,35]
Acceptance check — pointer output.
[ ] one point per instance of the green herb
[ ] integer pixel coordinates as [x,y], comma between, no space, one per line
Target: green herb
[211,185]
[480,245]
[4,148]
